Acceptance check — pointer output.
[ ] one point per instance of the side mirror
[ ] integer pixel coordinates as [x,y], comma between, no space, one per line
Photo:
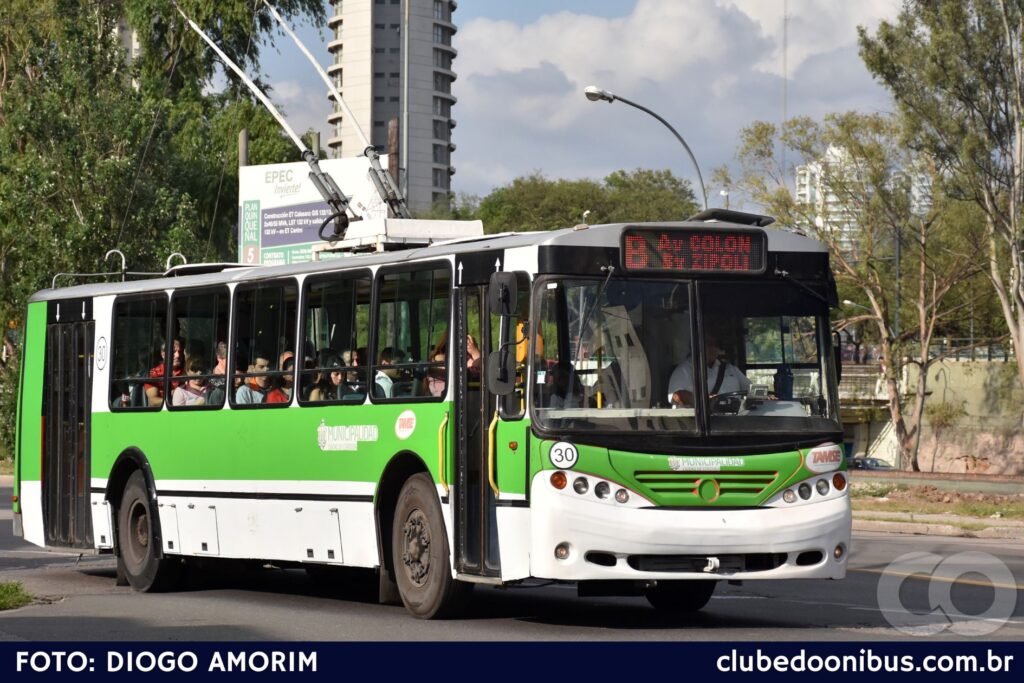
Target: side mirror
[500,378]
[503,294]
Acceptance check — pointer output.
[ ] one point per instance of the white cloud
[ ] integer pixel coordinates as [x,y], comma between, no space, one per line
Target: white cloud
[709,67]
[288,91]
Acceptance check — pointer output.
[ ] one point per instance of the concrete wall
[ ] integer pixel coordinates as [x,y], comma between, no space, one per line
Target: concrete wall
[972,424]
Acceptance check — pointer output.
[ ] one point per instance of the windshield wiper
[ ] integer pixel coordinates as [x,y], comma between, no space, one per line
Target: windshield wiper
[784,274]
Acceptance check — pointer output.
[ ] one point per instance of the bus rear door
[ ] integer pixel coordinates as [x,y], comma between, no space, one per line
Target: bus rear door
[67,404]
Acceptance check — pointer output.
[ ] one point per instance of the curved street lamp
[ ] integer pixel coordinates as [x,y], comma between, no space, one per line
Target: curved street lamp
[595,94]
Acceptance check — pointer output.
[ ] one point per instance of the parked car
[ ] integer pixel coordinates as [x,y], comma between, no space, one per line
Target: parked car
[870,464]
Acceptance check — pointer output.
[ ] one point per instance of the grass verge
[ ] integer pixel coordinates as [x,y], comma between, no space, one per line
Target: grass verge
[12,595]
[879,497]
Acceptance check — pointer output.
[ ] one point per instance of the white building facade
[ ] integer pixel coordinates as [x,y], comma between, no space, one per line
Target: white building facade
[393,59]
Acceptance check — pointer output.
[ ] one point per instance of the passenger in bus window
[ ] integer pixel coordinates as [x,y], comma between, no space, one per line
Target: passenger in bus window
[194,390]
[561,394]
[723,376]
[328,378]
[385,380]
[472,354]
[155,390]
[254,388]
[437,375]
[217,384]
[352,387]
[282,384]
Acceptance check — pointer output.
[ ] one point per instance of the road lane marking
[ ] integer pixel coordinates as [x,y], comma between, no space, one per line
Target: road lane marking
[959,579]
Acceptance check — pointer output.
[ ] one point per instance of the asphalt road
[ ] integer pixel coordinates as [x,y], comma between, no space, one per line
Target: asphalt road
[77,599]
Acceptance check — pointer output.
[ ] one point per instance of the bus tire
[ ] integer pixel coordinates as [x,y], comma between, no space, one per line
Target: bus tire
[419,550]
[145,571]
[680,596]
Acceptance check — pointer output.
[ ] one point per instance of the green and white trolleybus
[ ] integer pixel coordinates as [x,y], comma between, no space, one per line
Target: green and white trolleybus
[638,408]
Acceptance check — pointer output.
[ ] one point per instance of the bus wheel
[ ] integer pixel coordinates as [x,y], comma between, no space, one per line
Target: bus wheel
[680,596]
[138,555]
[419,550]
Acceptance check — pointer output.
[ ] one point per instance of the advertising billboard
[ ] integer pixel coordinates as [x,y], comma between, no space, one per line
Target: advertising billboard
[280,210]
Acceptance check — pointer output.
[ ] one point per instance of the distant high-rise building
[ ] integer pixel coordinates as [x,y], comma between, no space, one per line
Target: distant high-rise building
[393,59]
[836,214]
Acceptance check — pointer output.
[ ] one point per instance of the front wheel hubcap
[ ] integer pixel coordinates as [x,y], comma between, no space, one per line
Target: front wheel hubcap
[416,548]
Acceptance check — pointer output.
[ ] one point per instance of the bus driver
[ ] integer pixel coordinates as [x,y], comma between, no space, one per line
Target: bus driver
[723,376]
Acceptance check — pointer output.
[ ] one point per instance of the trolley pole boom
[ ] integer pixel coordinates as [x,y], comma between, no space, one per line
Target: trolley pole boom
[382,180]
[324,184]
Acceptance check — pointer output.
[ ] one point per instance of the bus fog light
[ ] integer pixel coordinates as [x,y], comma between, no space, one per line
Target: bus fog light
[838,481]
[559,480]
[622,496]
[580,485]
[602,490]
[562,551]
[822,486]
[839,551]
[789,496]
[805,490]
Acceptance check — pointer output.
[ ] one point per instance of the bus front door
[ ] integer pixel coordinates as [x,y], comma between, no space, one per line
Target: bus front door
[67,517]
[476,527]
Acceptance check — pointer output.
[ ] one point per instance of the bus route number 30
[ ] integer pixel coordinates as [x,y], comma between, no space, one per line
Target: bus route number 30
[564,455]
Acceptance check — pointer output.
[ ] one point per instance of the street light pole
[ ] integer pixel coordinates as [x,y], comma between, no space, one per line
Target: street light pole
[595,94]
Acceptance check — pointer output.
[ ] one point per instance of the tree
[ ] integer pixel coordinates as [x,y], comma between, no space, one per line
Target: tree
[956,71]
[870,200]
[99,153]
[534,202]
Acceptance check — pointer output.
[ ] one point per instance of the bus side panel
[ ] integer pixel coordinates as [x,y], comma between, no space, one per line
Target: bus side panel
[28,456]
[102,512]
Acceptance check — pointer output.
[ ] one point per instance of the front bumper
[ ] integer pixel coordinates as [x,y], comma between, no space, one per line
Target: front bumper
[638,543]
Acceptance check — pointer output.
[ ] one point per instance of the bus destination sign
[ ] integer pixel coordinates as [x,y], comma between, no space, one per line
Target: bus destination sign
[689,250]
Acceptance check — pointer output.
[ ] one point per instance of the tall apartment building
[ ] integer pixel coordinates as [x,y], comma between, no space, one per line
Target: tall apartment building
[393,59]
[834,213]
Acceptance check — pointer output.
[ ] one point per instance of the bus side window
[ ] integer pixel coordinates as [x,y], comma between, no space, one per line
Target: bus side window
[200,321]
[140,353]
[412,334]
[264,344]
[336,329]
[517,337]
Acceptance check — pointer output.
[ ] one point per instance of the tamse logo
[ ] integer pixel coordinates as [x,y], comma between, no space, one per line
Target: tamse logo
[824,458]
[405,425]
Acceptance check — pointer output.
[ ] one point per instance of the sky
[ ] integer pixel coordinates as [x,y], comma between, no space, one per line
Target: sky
[709,67]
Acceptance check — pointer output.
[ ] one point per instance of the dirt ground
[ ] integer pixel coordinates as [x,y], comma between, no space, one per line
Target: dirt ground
[931,500]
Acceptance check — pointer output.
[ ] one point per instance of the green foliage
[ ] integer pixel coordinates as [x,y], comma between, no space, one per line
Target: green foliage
[943,415]
[13,595]
[97,152]
[534,202]
[954,70]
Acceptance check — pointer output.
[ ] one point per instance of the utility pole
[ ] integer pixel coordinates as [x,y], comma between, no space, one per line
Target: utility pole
[393,150]
[243,147]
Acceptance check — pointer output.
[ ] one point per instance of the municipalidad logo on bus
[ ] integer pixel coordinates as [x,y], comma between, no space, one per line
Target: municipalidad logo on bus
[344,437]
[824,458]
[697,464]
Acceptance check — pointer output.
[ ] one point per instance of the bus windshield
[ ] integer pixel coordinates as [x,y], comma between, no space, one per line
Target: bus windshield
[621,355]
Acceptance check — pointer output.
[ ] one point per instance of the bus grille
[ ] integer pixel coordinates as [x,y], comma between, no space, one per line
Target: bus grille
[731,485]
[726,564]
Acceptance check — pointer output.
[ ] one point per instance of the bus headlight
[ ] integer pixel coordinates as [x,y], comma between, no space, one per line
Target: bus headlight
[805,490]
[789,496]
[822,486]
[580,485]
[602,490]
[622,496]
